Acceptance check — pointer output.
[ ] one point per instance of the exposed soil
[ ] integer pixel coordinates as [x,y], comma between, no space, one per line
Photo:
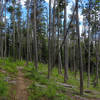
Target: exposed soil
[21,88]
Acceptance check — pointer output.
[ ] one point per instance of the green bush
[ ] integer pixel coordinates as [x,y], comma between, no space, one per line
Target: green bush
[3,86]
[8,65]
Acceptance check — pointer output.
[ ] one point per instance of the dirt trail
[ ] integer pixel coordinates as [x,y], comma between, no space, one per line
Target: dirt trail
[21,88]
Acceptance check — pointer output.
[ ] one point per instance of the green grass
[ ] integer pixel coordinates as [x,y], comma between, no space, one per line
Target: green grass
[8,68]
[52,91]
[3,86]
[41,87]
[8,65]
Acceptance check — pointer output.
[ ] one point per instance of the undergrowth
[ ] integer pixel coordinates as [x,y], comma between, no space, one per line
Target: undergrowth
[42,87]
[3,86]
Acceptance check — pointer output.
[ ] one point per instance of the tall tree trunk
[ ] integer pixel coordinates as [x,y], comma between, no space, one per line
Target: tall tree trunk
[27,38]
[89,42]
[14,48]
[54,36]
[59,53]
[97,62]
[97,52]
[35,37]
[49,42]
[88,58]
[65,47]
[19,41]
[1,38]
[79,47]
[5,52]
[20,45]
[74,56]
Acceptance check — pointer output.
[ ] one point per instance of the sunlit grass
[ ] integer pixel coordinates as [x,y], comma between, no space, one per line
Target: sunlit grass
[40,77]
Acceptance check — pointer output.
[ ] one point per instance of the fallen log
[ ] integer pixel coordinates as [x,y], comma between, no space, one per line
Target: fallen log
[65,85]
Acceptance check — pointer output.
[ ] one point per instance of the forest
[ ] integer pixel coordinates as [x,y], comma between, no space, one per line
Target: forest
[49,49]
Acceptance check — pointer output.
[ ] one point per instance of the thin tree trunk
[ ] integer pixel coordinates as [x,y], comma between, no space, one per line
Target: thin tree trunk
[1,45]
[1,18]
[14,31]
[89,50]
[49,42]
[97,52]
[5,52]
[27,33]
[35,37]
[79,47]
[59,53]
[97,64]
[65,47]
[89,58]
[54,36]
[74,56]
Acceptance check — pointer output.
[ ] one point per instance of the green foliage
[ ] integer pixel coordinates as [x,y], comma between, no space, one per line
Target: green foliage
[20,63]
[3,86]
[9,65]
[10,9]
[2,24]
[50,91]
[41,87]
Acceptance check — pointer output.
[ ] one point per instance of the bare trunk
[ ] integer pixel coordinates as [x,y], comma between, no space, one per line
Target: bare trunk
[5,52]
[89,58]
[35,37]
[97,64]
[59,53]
[74,56]
[14,55]
[27,34]
[49,41]
[89,50]
[65,47]
[1,38]
[79,47]
[54,36]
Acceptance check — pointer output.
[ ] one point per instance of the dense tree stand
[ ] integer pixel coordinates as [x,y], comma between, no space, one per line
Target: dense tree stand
[57,43]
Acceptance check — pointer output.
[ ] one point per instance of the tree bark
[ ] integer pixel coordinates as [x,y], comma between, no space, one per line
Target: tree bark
[79,47]
[14,48]
[5,52]
[65,46]
[74,56]
[89,42]
[54,36]
[35,37]
[49,42]
[27,38]
[59,53]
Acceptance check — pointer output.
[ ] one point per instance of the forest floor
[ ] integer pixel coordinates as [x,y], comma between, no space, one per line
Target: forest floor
[22,93]
[24,83]
[21,87]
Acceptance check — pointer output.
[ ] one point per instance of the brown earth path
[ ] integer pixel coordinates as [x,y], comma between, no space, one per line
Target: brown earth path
[21,87]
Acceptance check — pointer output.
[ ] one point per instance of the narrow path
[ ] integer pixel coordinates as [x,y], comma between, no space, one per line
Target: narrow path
[21,88]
